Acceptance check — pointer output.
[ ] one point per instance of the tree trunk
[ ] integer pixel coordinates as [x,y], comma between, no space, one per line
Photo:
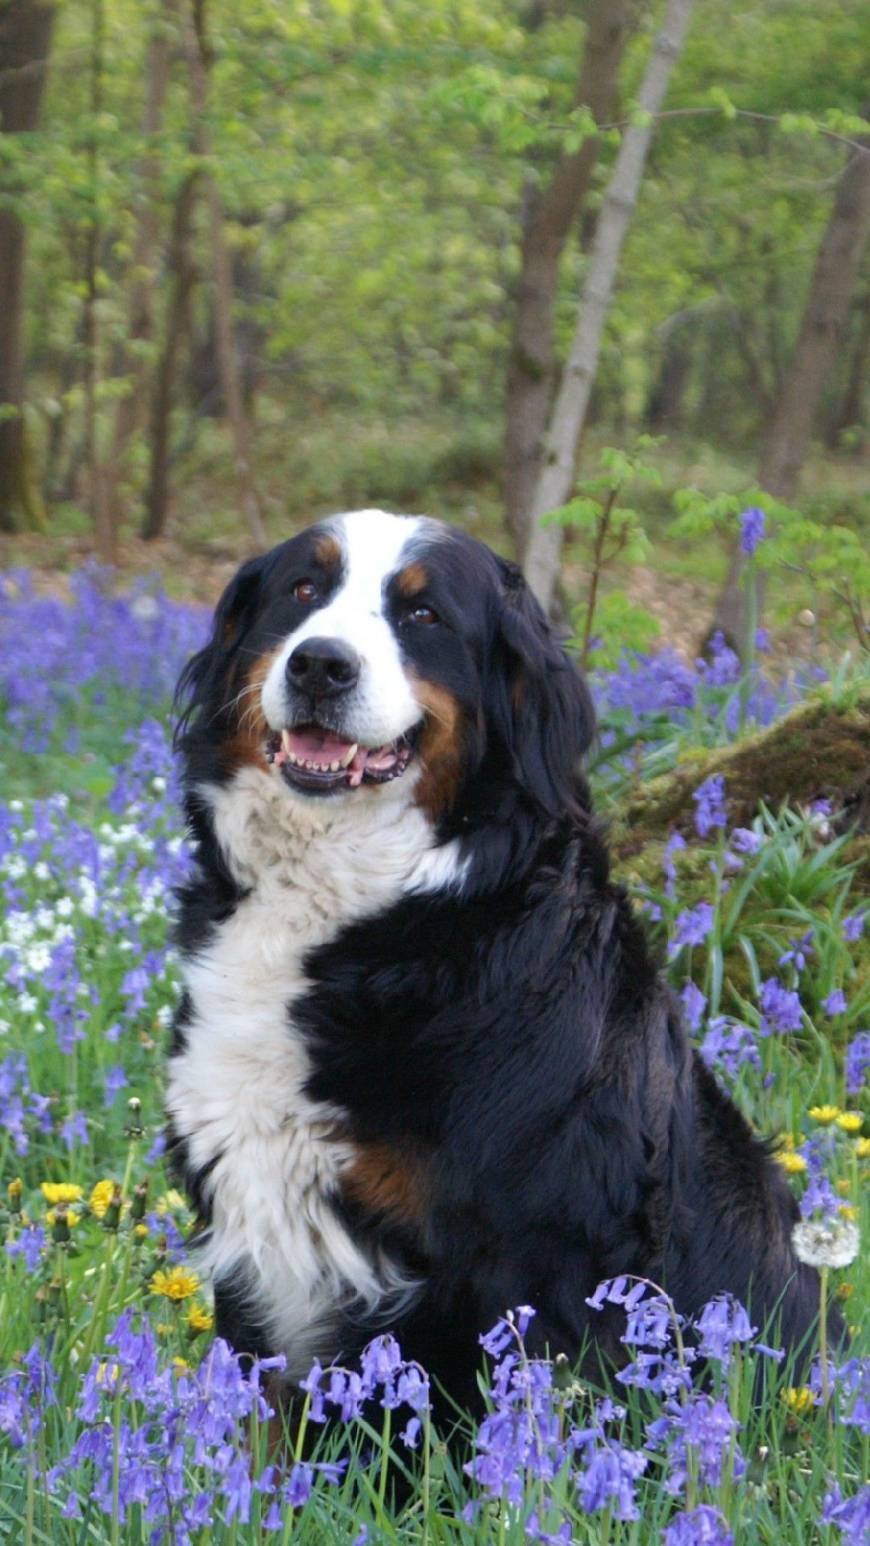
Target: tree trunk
[849,412]
[197,62]
[548,216]
[141,302]
[25,39]
[177,318]
[788,437]
[557,474]
[105,532]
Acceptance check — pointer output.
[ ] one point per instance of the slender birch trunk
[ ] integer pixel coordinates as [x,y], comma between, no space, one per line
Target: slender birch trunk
[196,55]
[572,401]
[549,214]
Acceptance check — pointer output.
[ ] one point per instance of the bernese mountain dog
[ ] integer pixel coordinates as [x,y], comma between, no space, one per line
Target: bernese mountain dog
[424,1067]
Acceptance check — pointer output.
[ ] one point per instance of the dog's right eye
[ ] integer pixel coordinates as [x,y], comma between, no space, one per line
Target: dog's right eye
[305,591]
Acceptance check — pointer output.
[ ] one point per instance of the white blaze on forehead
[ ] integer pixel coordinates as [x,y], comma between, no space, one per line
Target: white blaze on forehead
[383,706]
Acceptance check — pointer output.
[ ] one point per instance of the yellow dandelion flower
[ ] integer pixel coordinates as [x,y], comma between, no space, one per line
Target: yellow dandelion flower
[793,1163]
[180,1365]
[71,1218]
[850,1121]
[845,1291]
[164,1329]
[140,1231]
[199,1318]
[799,1399]
[825,1115]
[61,1191]
[178,1283]
[100,1198]
[862,1148]
[843,1188]
[846,1211]
[785,1141]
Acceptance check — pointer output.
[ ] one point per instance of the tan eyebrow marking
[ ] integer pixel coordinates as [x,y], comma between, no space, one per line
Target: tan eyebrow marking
[412,580]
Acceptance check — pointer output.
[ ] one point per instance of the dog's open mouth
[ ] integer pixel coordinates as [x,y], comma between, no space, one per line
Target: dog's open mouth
[319,761]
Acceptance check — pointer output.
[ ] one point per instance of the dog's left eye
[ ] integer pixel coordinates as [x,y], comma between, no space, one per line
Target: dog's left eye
[425,615]
[305,590]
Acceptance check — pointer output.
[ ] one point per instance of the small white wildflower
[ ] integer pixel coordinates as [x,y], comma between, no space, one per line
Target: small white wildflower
[27,1003]
[16,805]
[15,867]
[825,1242]
[158,784]
[37,958]
[145,608]
[41,870]
[64,907]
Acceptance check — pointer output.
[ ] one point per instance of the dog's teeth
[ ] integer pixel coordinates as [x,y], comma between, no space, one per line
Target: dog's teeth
[334,767]
[349,755]
[292,757]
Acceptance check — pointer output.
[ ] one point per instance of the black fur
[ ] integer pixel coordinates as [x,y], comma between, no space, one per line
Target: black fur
[515,1041]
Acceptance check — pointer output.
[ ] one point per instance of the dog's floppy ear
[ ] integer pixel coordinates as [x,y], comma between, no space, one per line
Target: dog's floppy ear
[545,714]
[206,670]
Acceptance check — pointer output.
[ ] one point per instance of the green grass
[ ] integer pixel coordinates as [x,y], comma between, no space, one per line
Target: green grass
[800,879]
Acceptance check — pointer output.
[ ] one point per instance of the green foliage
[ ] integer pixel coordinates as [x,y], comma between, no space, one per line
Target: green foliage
[374,157]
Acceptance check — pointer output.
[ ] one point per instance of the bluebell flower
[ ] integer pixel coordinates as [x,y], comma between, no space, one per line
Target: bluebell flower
[728,1046]
[857,1062]
[701,1526]
[751,530]
[851,1516]
[694,1003]
[608,1480]
[835,1003]
[780,1008]
[745,841]
[29,1245]
[853,927]
[798,951]
[692,927]
[710,800]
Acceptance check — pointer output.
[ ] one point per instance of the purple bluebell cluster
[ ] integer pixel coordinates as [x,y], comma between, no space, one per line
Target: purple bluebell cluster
[752,524]
[96,644]
[729,1045]
[709,798]
[857,1062]
[819,1199]
[174,1442]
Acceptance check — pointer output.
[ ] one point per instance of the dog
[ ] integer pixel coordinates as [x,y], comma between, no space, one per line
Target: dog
[424,1067]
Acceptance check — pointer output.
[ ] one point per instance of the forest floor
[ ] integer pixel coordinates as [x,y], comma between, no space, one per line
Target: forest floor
[344,465]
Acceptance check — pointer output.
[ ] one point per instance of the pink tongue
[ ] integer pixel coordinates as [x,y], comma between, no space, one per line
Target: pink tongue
[315,745]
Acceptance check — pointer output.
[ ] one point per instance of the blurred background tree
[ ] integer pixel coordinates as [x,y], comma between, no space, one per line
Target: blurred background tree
[282,260]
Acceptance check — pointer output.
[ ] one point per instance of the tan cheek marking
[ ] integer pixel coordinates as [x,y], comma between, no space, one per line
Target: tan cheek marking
[388,1182]
[245,746]
[440,748]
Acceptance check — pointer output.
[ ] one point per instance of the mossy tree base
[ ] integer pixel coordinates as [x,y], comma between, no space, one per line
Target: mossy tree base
[820,750]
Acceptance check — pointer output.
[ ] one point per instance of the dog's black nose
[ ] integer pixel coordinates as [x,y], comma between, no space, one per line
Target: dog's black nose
[322,668]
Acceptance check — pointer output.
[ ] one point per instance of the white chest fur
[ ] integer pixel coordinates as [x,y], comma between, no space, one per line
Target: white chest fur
[236,1090]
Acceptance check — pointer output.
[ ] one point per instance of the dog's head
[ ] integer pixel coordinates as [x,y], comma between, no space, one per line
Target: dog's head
[377,653]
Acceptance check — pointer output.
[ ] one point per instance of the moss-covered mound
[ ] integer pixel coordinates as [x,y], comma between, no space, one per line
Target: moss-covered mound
[820,750]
